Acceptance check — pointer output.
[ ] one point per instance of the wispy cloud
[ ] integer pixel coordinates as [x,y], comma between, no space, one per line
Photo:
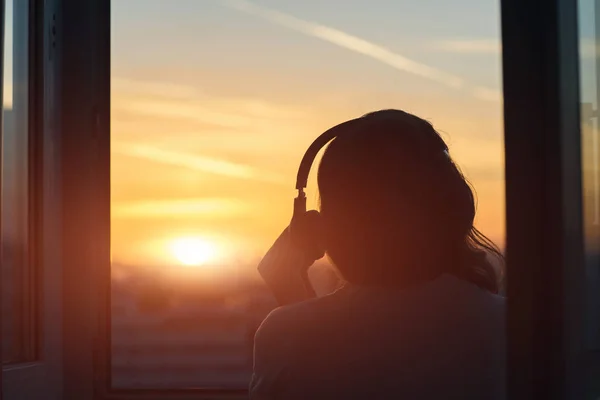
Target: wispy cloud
[181,208]
[587,47]
[468,46]
[124,85]
[225,113]
[485,93]
[173,101]
[364,47]
[186,110]
[197,162]
[347,41]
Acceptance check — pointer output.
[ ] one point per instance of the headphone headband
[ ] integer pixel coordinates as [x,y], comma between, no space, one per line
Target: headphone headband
[315,147]
[322,140]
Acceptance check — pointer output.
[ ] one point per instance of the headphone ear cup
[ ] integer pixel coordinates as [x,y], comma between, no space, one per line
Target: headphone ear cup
[307,232]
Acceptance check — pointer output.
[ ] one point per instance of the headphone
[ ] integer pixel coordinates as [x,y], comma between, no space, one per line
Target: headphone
[306,225]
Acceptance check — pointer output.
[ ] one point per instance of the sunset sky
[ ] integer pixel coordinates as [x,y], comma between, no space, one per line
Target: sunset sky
[215,101]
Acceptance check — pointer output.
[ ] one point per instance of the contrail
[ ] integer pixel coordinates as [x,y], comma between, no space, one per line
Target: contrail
[347,41]
[198,163]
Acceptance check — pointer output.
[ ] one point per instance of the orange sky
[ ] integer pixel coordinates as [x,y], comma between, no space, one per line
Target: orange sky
[188,163]
[215,102]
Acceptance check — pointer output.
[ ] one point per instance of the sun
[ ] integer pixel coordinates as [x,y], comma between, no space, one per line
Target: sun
[193,251]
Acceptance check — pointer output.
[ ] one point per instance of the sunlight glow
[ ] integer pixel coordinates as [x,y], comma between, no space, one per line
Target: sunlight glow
[194,251]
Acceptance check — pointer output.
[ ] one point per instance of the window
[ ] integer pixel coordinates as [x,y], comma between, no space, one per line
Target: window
[589,55]
[30,299]
[18,274]
[212,107]
[202,95]
[590,156]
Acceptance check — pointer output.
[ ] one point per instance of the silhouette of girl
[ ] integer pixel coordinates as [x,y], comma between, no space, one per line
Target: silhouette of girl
[419,315]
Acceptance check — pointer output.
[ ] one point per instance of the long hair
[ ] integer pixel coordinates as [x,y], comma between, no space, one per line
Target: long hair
[397,209]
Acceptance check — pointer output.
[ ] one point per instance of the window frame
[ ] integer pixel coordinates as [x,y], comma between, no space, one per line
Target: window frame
[40,377]
[545,246]
[77,100]
[592,357]
[2,45]
[543,200]
[24,314]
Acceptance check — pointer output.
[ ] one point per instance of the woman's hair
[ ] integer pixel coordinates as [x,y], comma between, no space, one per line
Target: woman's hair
[397,209]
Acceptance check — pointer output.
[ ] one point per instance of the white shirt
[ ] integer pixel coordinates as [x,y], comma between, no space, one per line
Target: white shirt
[444,339]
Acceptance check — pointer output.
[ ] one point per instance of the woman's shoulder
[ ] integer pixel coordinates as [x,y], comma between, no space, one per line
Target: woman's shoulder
[290,319]
[293,313]
[455,285]
[447,292]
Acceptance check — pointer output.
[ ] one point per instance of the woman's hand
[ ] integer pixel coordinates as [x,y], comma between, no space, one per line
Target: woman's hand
[285,270]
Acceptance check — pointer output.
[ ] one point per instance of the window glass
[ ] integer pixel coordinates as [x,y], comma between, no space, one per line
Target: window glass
[17,308]
[213,106]
[590,145]
[589,32]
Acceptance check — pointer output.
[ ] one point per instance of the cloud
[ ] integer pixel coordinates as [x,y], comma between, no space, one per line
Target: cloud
[347,41]
[186,110]
[468,46]
[161,89]
[197,162]
[181,208]
[183,102]
[484,93]
[364,47]
[224,113]
[587,46]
